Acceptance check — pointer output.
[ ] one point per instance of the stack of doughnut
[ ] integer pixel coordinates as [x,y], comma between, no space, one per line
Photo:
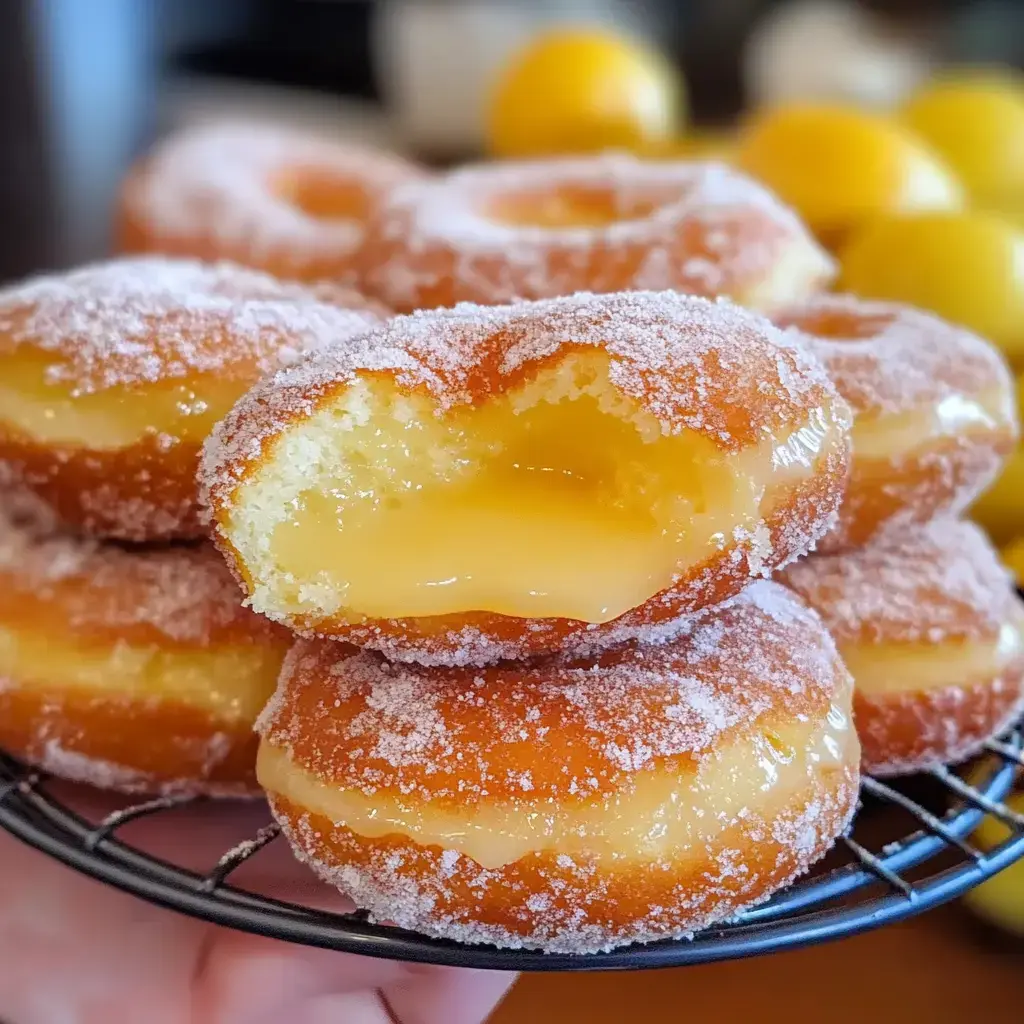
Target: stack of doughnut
[481,594]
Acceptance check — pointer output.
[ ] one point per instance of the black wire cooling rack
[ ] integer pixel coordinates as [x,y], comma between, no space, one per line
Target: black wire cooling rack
[865,883]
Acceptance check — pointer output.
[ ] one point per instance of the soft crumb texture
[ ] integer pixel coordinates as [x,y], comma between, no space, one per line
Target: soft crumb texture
[570,736]
[233,190]
[682,363]
[700,228]
[935,583]
[142,320]
[889,358]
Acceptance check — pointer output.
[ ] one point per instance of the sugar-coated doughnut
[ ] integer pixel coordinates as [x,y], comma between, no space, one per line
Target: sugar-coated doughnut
[270,197]
[496,233]
[569,805]
[933,632]
[933,404]
[136,670]
[111,377]
[465,485]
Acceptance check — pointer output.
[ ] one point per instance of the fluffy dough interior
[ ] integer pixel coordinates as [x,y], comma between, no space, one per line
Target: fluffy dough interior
[560,498]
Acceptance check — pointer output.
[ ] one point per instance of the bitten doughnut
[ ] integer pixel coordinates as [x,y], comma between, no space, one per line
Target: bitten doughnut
[933,404]
[471,484]
[566,805]
[136,670]
[496,233]
[270,197]
[111,377]
[933,633]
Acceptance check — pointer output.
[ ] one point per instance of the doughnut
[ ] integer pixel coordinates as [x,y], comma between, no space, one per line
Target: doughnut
[570,805]
[111,376]
[269,197]
[933,632]
[496,233]
[933,404]
[464,485]
[136,670]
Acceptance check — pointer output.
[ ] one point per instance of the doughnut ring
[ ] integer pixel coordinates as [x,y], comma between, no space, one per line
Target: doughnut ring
[268,197]
[132,670]
[566,805]
[934,411]
[933,633]
[111,377]
[497,233]
[471,484]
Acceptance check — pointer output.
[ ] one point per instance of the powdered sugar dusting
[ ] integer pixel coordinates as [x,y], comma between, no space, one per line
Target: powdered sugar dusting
[225,188]
[147,319]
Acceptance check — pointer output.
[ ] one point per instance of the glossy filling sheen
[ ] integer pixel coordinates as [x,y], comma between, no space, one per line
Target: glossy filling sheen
[111,419]
[886,437]
[232,684]
[662,814]
[557,500]
[898,668]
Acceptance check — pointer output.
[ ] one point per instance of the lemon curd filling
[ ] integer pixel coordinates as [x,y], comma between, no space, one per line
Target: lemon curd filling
[232,684]
[894,668]
[884,437]
[557,500]
[662,812]
[112,419]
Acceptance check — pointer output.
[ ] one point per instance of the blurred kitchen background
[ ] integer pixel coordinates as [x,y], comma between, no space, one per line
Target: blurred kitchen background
[86,85]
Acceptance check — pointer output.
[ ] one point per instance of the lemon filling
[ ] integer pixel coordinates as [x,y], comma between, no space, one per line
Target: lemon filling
[112,419]
[897,434]
[557,500]
[232,683]
[662,813]
[879,669]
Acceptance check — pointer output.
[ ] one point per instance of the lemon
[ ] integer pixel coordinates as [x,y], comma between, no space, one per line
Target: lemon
[1000,900]
[839,166]
[580,91]
[975,120]
[1013,557]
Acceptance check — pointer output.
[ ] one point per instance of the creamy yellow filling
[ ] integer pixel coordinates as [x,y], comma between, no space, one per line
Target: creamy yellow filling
[896,668]
[556,505]
[232,684]
[660,815]
[882,437]
[115,418]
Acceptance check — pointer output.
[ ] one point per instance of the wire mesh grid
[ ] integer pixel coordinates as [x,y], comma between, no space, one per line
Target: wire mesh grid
[864,884]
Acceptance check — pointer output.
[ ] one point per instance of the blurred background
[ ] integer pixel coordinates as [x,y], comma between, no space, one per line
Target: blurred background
[86,86]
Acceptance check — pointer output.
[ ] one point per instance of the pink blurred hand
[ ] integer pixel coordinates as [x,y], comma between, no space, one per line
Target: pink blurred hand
[74,951]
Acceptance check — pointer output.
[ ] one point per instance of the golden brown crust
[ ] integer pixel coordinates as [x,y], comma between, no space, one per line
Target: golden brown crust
[97,599]
[697,228]
[575,733]
[692,364]
[941,583]
[233,191]
[125,326]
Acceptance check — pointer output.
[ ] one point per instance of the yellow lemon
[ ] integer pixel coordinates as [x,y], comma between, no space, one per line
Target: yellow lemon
[968,267]
[1013,557]
[1000,900]
[579,91]
[975,120]
[840,167]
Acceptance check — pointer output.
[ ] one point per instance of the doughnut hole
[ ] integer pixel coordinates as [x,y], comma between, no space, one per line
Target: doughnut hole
[556,499]
[967,267]
[840,167]
[566,206]
[324,196]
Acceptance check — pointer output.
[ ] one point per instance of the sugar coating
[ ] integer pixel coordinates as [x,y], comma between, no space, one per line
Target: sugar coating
[701,228]
[902,358]
[183,595]
[444,739]
[224,187]
[939,582]
[142,320]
